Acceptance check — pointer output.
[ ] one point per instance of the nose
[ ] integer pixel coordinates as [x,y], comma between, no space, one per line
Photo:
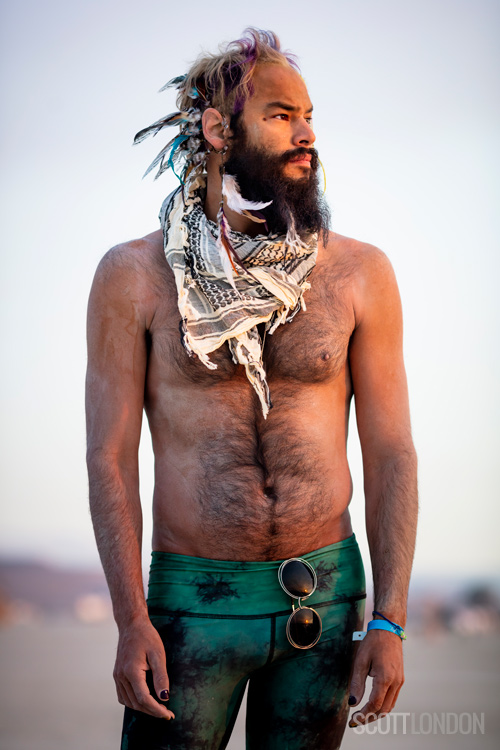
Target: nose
[303,133]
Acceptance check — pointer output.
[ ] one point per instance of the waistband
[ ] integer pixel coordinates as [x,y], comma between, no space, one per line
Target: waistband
[198,585]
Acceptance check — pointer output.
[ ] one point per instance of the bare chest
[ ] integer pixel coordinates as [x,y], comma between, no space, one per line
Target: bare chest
[231,480]
[312,348]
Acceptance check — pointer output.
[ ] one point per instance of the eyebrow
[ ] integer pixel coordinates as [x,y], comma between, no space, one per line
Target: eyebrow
[286,107]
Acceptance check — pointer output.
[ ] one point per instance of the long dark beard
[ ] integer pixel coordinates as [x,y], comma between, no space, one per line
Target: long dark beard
[260,178]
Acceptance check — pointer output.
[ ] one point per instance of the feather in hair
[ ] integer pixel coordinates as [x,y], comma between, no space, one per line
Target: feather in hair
[159,159]
[175,118]
[177,81]
[177,142]
[260,219]
[236,202]
[173,147]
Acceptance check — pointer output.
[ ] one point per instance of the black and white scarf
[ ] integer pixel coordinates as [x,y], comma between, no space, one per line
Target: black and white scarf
[215,309]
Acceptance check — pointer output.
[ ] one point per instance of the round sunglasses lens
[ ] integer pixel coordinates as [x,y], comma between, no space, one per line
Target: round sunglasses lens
[297,578]
[304,627]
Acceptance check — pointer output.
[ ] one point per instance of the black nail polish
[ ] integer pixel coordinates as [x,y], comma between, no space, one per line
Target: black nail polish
[164,695]
[352,700]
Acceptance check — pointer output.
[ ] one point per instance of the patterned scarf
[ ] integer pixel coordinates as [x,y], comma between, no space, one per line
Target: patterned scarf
[270,291]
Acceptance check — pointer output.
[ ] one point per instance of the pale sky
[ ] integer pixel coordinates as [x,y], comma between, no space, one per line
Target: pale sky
[407,118]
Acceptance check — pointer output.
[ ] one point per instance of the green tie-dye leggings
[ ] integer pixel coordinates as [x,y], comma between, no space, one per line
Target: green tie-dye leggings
[223,625]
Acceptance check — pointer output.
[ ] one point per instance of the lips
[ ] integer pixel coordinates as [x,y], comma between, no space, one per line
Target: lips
[301,159]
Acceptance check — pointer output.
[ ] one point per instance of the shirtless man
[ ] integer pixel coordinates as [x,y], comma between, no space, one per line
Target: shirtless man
[241,487]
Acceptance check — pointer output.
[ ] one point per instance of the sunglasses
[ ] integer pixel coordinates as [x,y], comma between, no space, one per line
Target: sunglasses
[298,579]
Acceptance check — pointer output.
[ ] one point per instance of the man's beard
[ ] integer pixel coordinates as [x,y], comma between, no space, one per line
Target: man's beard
[260,178]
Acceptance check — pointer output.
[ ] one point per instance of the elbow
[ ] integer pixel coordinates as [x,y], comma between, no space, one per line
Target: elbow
[388,457]
[109,460]
[98,456]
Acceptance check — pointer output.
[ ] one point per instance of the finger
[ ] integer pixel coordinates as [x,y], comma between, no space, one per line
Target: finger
[396,695]
[129,695]
[144,700]
[364,716]
[158,663]
[122,693]
[373,707]
[370,711]
[392,688]
[388,703]
[358,679]
[119,694]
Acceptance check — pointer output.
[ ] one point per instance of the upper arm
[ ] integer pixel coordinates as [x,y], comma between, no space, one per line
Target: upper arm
[376,361]
[117,358]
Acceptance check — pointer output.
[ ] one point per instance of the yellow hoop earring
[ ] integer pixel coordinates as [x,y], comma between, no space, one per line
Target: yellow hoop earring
[324,175]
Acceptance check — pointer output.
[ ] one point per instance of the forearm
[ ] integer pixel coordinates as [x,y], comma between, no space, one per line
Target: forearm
[391,522]
[117,519]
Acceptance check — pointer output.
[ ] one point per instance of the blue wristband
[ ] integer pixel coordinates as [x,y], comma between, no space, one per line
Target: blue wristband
[385,625]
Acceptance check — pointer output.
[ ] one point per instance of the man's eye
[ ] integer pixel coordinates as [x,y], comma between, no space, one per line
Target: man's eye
[309,120]
[282,115]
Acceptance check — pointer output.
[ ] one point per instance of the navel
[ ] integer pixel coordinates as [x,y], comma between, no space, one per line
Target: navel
[270,493]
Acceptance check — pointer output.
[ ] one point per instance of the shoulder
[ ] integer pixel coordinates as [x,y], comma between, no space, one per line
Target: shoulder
[134,260]
[369,271]
[131,274]
[363,258]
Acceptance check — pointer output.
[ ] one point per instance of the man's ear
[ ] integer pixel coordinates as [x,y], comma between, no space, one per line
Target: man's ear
[215,128]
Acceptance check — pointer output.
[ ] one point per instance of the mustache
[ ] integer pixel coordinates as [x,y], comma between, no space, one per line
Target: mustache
[294,153]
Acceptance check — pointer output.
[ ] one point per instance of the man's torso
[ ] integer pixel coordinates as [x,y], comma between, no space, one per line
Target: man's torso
[229,484]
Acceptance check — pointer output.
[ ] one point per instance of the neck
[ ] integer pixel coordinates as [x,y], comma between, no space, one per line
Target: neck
[237,222]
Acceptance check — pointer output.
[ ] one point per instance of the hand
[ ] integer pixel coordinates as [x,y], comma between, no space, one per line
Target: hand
[380,655]
[140,649]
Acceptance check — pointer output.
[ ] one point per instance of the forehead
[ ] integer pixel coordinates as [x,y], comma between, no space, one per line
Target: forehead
[277,83]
